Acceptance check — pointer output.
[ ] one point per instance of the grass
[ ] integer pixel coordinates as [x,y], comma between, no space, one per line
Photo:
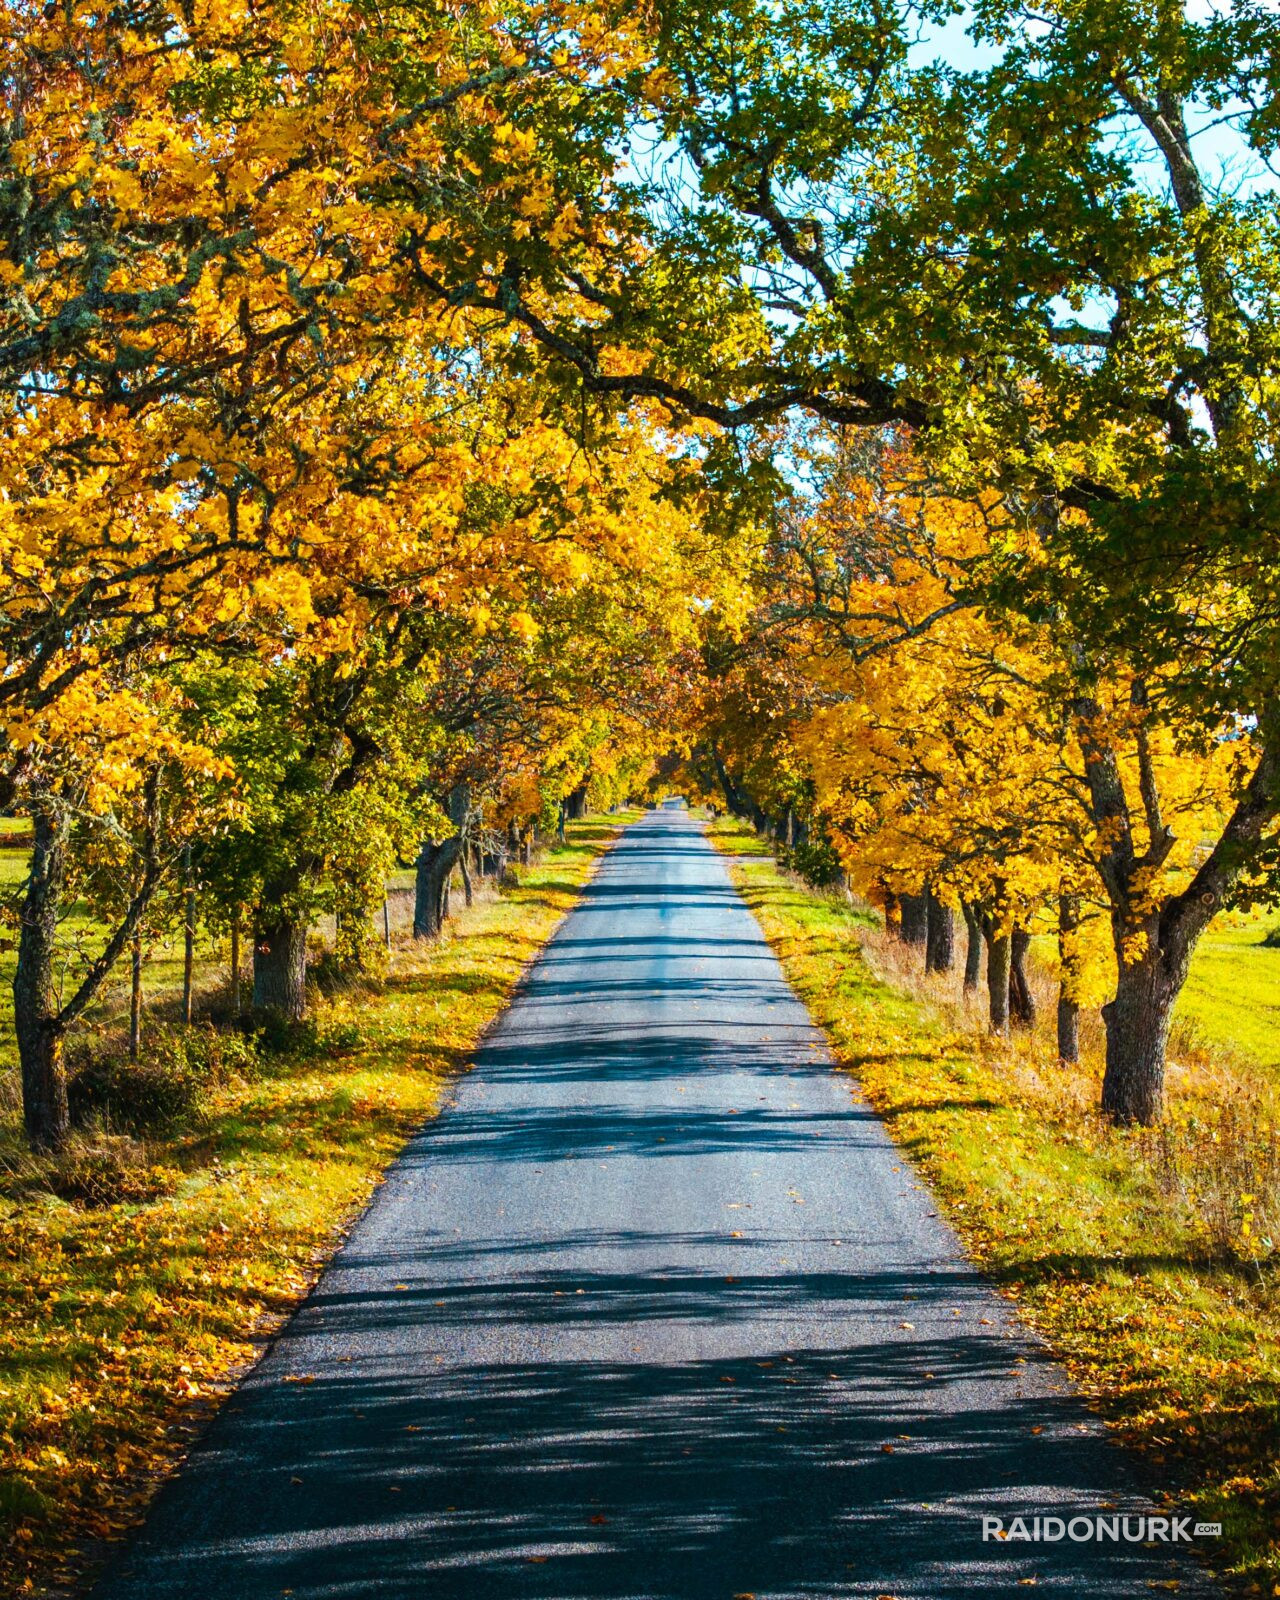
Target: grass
[1128,1252]
[123,1325]
[1232,996]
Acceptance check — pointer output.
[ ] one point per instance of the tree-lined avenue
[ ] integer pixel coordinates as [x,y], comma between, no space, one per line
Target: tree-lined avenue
[655,1309]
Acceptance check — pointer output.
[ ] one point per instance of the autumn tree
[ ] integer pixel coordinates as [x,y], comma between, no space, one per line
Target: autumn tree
[1030,265]
[953,744]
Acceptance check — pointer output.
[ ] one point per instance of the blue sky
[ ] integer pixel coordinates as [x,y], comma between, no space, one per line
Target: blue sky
[1224,157]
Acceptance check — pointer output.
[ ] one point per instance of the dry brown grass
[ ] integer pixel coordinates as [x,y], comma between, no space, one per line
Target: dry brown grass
[1215,1158]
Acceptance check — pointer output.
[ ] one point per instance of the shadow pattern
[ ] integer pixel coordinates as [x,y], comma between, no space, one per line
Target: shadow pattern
[654,1312]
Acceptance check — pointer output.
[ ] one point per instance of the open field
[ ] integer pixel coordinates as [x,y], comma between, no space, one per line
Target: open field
[1147,1260]
[121,1323]
[1232,997]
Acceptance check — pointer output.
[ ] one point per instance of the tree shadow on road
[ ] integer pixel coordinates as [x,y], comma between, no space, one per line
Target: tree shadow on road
[784,1470]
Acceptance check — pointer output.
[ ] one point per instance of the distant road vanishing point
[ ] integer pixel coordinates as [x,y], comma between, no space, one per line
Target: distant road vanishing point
[654,1311]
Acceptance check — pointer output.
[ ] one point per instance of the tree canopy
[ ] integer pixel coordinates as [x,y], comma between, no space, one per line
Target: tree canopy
[415,415]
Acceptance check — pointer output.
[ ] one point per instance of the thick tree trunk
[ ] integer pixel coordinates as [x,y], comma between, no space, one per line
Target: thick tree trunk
[940,942]
[915,918]
[280,966]
[973,946]
[1068,980]
[1137,1021]
[35,1002]
[1022,1003]
[999,958]
[576,803]
[431,886]
[436,862]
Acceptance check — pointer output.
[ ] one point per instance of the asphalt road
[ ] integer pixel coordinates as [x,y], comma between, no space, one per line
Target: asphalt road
[655,1311]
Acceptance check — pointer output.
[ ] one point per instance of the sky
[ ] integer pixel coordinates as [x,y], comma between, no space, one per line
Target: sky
[1224,158]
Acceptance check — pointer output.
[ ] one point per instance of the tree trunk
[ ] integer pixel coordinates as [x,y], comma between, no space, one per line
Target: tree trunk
[1137,1019]
[1022,1003]
[1068,980]
[135,997]
[560,821]
[576,804]
[736,802]
[973,946]
[280,966]
[892,915]
[436,862]
[1068,1030]
[999,958]
[188,940]
[526,847]
[235,965]
[915,918]
[40,1024]
[940,940]
[35,1003]
[465,867]
[431,886]
[789,829]
[1137,1022]
[493,863]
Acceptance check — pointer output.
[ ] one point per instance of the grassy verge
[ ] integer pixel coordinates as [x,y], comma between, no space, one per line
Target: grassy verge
[1128,1252]
[121,1326]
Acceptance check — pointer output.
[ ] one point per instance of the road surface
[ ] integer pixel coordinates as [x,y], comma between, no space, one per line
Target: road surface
[654,1311]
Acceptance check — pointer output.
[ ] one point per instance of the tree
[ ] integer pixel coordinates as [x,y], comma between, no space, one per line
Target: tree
[956,750]
[1107,362]
[114,811]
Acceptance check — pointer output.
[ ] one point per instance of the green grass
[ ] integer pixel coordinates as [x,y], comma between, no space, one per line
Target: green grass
[1167,1317]
[1232,996]
[121,1325]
